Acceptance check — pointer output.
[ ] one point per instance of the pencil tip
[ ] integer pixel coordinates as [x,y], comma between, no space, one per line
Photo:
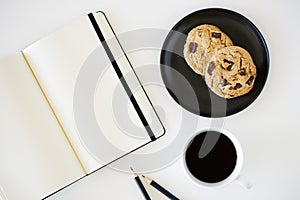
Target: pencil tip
[131,169]
[143,176]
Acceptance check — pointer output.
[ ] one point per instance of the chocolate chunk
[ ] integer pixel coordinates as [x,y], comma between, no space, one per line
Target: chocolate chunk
[243,72]
[211,68]
[216,35]
[241,62]
[193,47]
[250,80]
[228,61]
[224,82]
[237,86]
[230,64]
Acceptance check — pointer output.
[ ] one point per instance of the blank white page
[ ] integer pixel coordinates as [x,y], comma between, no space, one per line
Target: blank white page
[35,157]
[56,61]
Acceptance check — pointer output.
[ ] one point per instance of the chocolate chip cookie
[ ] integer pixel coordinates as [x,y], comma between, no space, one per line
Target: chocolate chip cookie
[201,43]
[230,72]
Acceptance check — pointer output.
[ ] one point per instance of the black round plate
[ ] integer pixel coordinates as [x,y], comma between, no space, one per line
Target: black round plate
[242,33]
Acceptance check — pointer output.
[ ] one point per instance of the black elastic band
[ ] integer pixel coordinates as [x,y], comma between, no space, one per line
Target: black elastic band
[120,75]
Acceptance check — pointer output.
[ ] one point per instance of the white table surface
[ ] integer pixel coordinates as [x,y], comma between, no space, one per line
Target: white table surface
[268,130]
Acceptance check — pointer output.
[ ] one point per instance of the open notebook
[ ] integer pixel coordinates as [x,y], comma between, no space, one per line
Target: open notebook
[61,109]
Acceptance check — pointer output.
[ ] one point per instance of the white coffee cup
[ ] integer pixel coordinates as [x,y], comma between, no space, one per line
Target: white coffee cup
[235,174]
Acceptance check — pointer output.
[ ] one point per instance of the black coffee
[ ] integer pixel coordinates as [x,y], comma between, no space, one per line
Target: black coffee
[214,165]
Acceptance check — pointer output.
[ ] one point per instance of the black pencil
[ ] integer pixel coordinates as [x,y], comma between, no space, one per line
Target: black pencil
[140,185]
[160,188]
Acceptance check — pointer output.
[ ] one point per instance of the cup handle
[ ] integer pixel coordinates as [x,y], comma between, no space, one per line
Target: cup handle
[244,182]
